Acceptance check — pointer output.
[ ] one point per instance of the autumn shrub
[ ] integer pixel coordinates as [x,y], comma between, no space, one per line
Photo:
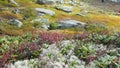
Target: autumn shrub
[83,36]
[23,51]
[98,38]
[14,48]
[50,37]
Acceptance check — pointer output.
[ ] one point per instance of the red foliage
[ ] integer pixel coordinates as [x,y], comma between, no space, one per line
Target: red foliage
[23,51]
[46,37]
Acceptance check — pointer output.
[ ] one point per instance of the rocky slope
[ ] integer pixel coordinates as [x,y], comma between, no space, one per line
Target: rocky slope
[59,34]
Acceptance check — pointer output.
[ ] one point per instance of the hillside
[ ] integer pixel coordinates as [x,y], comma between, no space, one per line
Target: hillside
[59,34]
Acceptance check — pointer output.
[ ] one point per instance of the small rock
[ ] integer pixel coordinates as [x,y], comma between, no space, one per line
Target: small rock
[44,23]
[13,2]
[42,20]
[115,0]
[16,22]
[70,23]
[46,1]
[16,11]
[45,11]
[67,9]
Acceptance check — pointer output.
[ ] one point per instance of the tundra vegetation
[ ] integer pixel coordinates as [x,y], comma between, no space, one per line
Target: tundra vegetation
[59,34]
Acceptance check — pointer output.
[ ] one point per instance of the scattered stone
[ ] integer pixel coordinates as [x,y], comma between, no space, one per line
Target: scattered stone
[42,20]
[46,1]
[83,13]
[115,0]
[16,22]
[44,23]
[79,14]
[16,11]
[13,2]
[70,23]
[45,11]
[67,9]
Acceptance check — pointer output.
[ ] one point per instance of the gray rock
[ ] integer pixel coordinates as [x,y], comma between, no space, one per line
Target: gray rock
[46,1]
[46,27]
[115,0]
[44,23]
[45,11]
[42,20]
[16,11]
[13,2]
[67,9]
[82,13]
[61,1]
[70,23]
[16,22]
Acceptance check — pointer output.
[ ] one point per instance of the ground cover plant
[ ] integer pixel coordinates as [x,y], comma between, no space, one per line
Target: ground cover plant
[87,49]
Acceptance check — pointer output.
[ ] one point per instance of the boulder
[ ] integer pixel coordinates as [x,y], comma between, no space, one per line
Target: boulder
[67,9]
[46,1]
[70,23]
[45,11]
[16,22]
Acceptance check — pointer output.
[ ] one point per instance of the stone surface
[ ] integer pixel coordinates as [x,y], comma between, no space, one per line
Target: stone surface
[70,23]
[44,23]
[42,20]
[45,11]
[67,9]
[46,1]
[13,2]
[115,0]
[16,22]
[16,11]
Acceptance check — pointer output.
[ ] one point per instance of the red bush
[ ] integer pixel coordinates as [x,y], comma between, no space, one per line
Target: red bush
[47,37]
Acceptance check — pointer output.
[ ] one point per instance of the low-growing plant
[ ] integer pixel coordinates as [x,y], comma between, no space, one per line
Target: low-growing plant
[105,61]
[28,13]
[23,51]
[47,37]
[66,49]
[96,27]
[53,26]
[14,48]
[105,39]
[85,51]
